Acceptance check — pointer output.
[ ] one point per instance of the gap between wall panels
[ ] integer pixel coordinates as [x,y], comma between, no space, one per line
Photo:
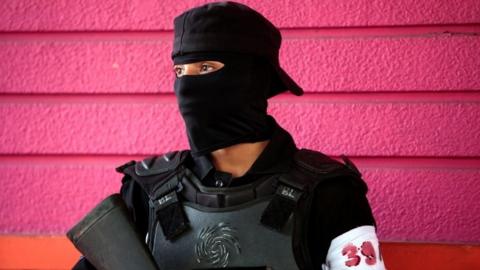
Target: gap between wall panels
[443,96]
[287,33]
[405,162]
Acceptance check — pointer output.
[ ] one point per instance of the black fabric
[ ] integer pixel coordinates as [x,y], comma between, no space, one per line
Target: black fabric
[225,26]
[273,159]
[227,106]
[232,27]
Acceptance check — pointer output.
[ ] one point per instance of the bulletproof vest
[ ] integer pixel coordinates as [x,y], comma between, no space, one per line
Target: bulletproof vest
[261,225]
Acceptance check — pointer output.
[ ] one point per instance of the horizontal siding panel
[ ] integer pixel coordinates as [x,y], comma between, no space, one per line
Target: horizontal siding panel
[158,15]
[359,129]
[436,63]
[54,198]
[51,199]
[85,67]
[438,205]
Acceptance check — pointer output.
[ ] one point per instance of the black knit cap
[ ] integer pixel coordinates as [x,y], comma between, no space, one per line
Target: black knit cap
[231,27]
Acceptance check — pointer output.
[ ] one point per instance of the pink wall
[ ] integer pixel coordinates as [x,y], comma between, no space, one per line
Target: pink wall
[393,84]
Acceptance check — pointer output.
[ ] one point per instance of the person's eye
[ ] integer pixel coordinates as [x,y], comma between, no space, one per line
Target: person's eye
[178,71]
[205,68]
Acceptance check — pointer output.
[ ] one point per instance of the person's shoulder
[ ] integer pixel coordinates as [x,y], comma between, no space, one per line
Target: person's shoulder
[326,171]
[153,165]
[152,171]
[343,190]
[318,162]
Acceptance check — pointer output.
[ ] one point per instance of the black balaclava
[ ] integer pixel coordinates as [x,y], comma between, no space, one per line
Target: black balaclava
[227,106]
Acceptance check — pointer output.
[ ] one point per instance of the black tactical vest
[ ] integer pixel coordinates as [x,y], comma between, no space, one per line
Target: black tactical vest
[262,225]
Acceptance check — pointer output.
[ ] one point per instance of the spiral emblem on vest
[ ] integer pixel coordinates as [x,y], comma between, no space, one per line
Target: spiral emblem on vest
[215,244]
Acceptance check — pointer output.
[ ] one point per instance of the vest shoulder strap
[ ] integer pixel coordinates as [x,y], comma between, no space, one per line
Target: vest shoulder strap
[309,169]
[159,176]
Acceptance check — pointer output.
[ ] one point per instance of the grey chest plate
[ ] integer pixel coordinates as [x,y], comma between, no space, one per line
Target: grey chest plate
[232,237]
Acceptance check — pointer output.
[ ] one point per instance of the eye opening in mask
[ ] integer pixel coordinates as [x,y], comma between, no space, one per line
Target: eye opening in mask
[193,68]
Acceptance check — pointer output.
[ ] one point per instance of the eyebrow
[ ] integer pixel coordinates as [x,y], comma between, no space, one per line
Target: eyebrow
[200,61]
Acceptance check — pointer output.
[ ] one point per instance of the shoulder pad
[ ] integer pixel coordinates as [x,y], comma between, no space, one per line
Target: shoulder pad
[160,164]
[318,163]
[322,167]
[121,168]
[155,172]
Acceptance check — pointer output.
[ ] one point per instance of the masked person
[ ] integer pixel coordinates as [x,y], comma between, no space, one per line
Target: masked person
[243,196]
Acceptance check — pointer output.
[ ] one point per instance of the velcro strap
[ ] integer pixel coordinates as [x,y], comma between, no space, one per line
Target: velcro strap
[280,207]
[170,214]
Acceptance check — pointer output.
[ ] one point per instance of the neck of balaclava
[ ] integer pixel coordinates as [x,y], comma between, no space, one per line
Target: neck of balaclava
[229,135]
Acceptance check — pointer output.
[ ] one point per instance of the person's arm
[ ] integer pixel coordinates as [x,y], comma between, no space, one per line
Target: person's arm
[357,248]
[137,203]
[343,229]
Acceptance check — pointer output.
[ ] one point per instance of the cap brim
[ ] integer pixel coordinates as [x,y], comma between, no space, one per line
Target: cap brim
[287,83]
